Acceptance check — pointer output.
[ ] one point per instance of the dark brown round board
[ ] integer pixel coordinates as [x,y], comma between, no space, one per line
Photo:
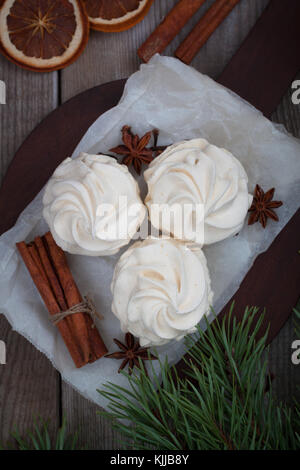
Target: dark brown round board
[273,281]
[52,141]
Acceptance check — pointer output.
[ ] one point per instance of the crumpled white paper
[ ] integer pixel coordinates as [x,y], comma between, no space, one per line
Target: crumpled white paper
[183,104]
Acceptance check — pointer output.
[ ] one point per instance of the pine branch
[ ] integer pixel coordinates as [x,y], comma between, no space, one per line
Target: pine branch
[225,401]
[39,439]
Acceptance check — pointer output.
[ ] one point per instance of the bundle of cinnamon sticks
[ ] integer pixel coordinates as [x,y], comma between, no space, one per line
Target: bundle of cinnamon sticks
[48,267]
[176,20]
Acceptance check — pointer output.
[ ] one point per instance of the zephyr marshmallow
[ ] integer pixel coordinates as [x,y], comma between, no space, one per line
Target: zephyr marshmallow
[196,174]
[92,205]
[161,290]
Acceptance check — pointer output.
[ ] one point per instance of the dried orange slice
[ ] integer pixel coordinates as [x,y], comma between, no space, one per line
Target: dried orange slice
[43,35]
[116,15]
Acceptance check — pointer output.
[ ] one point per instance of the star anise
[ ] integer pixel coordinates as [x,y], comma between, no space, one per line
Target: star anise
[130,352]
[135,149]
[262,206]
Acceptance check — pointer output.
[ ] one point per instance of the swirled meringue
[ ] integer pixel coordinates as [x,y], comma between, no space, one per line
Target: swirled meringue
[199,174]
[161,290]
[92,205]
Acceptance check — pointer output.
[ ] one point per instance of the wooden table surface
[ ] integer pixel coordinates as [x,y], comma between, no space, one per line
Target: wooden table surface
[29,385]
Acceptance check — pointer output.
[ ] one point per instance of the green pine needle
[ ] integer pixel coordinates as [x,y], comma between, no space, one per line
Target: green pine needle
[39,438]
[225,401]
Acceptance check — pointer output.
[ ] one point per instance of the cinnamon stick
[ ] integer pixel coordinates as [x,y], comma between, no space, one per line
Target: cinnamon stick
[169,28]
[47,265]
[42,258]
[49,272]
[91,342]
[204,29]
[49,299]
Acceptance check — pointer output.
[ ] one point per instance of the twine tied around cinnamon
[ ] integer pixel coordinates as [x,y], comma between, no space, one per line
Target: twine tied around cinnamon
[86,306]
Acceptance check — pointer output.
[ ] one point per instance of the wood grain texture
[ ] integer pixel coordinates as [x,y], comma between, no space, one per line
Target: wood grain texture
[109,57]
[29,98]
[225,41]
[256,74]
[68,126]
[265,286]
[52,147]
[114,56]
[29,386]
[208,23]
[95,431]
[28,382]
[287,375]
[168,29]
[287,113]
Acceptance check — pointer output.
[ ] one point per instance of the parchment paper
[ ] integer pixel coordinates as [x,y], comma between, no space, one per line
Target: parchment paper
[183,104]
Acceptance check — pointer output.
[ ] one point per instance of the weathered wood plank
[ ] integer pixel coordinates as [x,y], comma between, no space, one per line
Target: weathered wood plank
[107,57]
[256,74]
[225,41]
[28,382]
[30,97]
[29,386]
[287,375]
[113,56]
[288,113]
[32,386]
[95,431]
